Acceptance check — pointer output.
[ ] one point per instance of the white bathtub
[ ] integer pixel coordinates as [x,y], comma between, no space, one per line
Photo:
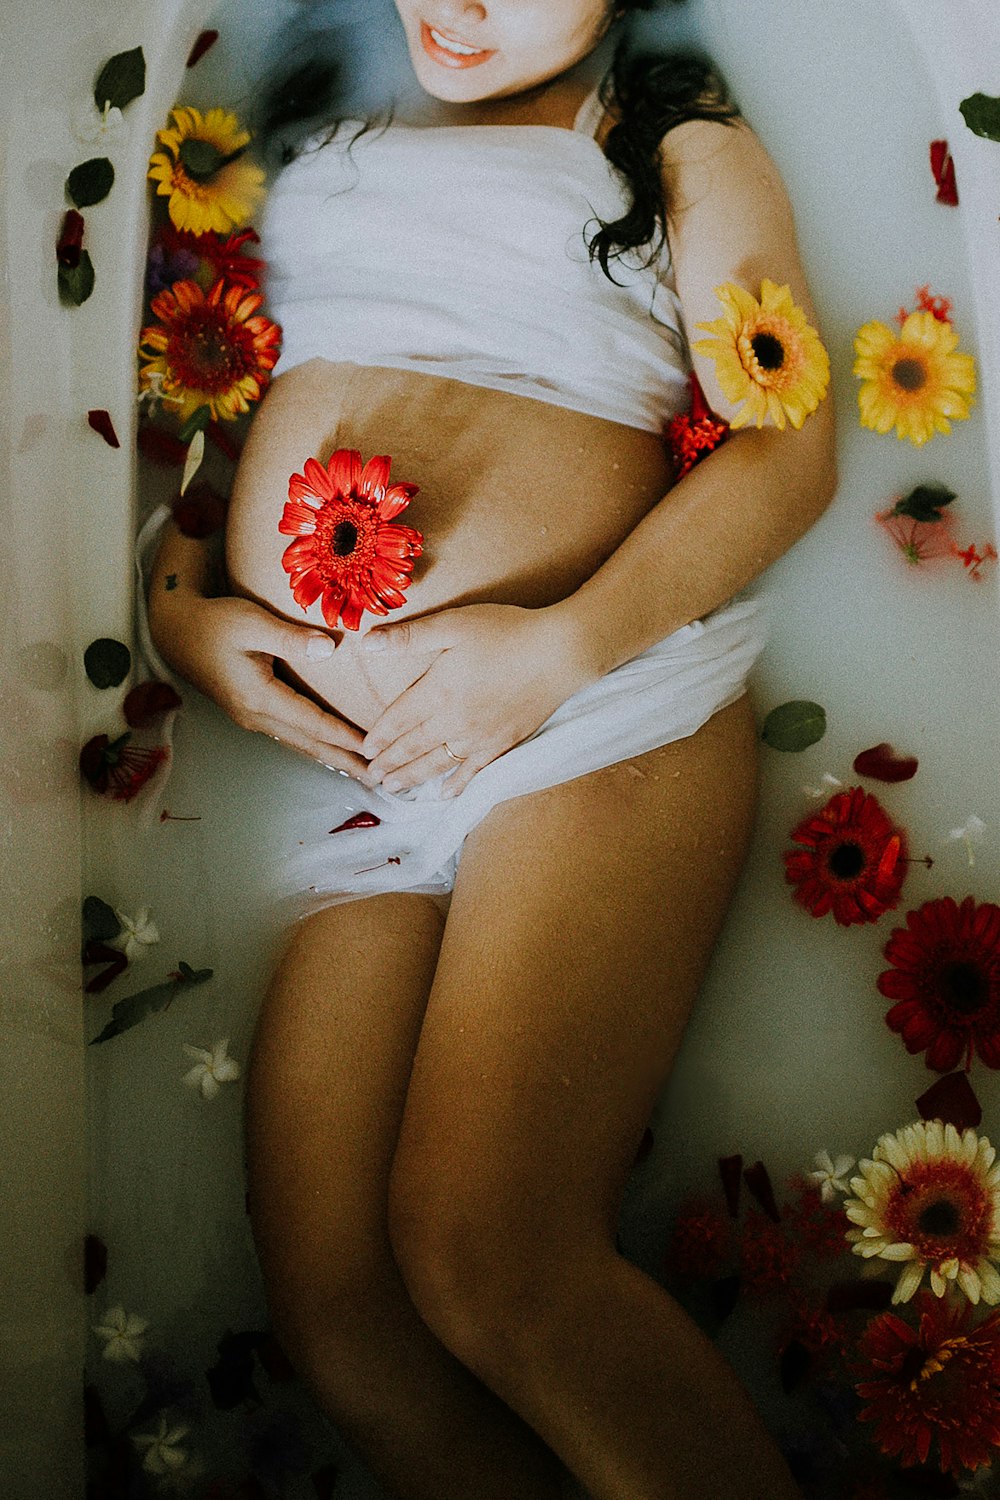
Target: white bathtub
[847,96]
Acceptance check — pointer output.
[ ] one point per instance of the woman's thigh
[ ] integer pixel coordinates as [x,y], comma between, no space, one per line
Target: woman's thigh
[581,926]
[330,1067]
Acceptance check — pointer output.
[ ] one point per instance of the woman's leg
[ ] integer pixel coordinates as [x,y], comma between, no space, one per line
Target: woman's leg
[580,928]
[328,1079]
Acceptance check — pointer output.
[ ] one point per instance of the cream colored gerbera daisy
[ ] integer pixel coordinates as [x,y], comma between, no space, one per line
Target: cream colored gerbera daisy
[766,356]
[930,1199]
[204,172]
[913,381]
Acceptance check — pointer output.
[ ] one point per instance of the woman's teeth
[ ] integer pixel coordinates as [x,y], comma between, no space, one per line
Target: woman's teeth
[458,48]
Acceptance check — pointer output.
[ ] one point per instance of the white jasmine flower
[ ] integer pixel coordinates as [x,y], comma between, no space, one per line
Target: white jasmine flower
[163,1456]
[123,1333]
[828,783]
[153,395]
[95,126]
[212,1068]
[971,832]
[136,936]
[831,1174]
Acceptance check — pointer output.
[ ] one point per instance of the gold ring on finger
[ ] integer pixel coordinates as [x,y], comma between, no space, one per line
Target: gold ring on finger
[449,751]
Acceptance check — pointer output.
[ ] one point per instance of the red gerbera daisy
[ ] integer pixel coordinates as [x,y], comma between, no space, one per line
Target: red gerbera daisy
[211,349]
[946,982]
[212,254]
[118,767]
[347,552]
[940,1380]
[854,860]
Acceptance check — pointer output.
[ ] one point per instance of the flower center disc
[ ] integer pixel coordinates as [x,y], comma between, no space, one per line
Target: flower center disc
[769,351]
[909,374]
[964,986]
[847,861]
[345,538]
[940,1218]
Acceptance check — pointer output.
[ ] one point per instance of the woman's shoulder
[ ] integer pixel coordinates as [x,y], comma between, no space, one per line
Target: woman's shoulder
[719,162]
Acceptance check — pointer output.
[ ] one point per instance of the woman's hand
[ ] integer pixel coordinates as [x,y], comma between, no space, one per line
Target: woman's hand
[226,647]
[502,670]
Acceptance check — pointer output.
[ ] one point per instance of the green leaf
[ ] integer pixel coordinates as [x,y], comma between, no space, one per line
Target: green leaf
[76,282]
[794,726]
[128,1013]
[107,662]
[982,115]
[925,503]
[100,924]
[91,181]
[122,79]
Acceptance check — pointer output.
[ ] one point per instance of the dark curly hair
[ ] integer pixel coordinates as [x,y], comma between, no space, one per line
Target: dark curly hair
[648,93]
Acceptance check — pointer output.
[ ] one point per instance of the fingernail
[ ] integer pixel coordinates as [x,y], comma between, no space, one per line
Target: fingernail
[319,647]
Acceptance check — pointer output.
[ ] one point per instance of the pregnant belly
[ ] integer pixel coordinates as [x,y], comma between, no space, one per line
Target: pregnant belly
[519,501]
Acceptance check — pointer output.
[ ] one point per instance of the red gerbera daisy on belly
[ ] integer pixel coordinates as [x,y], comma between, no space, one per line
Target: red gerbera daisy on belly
[946,982]
[347,552]
[853,862]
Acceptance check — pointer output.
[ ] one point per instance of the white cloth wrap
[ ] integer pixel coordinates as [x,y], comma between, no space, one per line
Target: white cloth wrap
[665,694]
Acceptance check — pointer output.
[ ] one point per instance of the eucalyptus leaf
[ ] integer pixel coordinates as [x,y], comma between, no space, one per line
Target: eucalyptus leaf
[981,113]
[122,79]
[128,1013]
[90,182]
[795,725]
[107,662]
[100,925]
[925,503]
[76,282]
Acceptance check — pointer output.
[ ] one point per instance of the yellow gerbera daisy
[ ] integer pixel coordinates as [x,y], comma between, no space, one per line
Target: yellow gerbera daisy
[930,1199]
[913,380]
[766,356]
[204,173]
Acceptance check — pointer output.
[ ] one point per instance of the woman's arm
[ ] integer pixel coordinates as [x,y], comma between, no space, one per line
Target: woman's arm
[502,670]
[227,648]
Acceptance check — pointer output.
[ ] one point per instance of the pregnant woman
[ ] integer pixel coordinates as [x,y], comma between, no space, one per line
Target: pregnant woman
[448,1087]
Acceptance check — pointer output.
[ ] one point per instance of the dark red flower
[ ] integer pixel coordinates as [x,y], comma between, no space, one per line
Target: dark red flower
[699,1241]
[347,553]
[200,511]
[939,1381]
[819,1225]
[853,862]
[946,982]
[177,253]
[119,768]
[768,1258]
[694,433]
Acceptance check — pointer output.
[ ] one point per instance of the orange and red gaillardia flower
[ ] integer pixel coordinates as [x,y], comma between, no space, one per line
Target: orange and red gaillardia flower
[209,349]
[939,1381]
[853,862]
[348,553]
[945,981]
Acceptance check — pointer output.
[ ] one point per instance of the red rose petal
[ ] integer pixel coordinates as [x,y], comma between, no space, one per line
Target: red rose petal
[359,820]
[882,763]
[953,1100]
[101,422]
[70,241]
[146,701]
[943,169]
[202,43]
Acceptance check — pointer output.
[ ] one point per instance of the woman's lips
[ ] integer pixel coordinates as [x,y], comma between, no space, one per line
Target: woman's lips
[449,50]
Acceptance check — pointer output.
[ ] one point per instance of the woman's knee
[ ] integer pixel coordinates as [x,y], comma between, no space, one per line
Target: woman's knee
[483,1265]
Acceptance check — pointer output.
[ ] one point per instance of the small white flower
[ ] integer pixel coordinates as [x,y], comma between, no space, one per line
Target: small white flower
[153,395]
[163,1456]
[826,786]
[135,936]
[95,126]
[971,832]
[831,1174]
[212,1068]
[123,1333]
